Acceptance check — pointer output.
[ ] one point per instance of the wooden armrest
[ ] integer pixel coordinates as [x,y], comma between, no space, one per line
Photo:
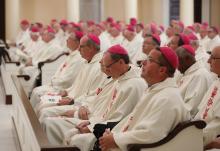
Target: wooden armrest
[198,124]
[40,64]
[60,148]
[13,62]
[26,77]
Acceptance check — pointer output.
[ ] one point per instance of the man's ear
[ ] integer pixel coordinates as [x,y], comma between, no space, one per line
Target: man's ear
[163,70]
[121,61]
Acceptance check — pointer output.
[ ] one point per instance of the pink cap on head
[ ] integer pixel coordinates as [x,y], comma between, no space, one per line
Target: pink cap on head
[24,22]
[153,28]
[53,20]
[161,27]
[34,29]
[141,25]
[63,22]
[205,24]
[215,29]
[185,39]
[117,49]
[75,25]
[180,23]
[189,49]
[130,28]
[117,26]
[110,20]
[170,56]
[90,22]
[100,26]
[133,21]
[40,25]
[78,34]
[94,38]
[192,37]
[203,27]
[191,28]
[50,30]
[157,37]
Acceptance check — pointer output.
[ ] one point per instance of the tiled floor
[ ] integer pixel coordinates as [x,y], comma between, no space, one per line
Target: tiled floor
[8,138]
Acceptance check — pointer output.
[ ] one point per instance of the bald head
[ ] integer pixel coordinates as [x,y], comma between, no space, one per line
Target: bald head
[216,51]
[214,61]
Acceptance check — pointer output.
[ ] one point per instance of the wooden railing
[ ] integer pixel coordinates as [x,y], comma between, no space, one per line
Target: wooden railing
[30,133]
[172,136]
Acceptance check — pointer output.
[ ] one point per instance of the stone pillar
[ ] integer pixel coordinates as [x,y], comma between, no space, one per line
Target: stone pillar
[130,9]
[12,18]
[187,12]
[73,10]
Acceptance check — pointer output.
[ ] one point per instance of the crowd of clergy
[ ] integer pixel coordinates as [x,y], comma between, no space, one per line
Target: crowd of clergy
[122,83]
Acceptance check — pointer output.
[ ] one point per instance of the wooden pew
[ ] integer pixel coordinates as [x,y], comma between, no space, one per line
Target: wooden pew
[49,67]
[186,136]
[7,83]
[28,128]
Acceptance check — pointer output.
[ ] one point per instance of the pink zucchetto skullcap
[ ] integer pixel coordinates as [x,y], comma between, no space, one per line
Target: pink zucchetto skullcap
[118,49]
[192,37]
[162,28]
[75,25]
[153,28]
[205,24]
[94,38]
[189,49]
[133,21]
[78,34]
[90,22]
[130,28]
[156,37]
[63,22]
[110,20]
[191,28]
[115,25]
[100,26]
[50,30]
[25,22]
[40,25]
[215,29]
[34,30]
[53,20]
[204,27]
[185,39]
[141,25]
[170,56]
[181,24]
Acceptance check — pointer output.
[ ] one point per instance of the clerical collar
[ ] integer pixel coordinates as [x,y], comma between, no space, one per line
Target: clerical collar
[126,71]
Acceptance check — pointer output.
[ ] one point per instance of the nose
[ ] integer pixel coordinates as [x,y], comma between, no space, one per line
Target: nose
[209,60]
[144,62]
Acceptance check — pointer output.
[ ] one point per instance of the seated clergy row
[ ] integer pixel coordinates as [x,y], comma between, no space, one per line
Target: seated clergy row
[88,94]
[112,98]
[37,42]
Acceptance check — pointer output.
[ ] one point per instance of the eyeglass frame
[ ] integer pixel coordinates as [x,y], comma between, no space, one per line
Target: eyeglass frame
[150,59]
[213,58]
[108,66]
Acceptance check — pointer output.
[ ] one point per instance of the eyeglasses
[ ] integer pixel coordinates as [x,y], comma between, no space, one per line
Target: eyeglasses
[150,59]
[108,66]
[213,58]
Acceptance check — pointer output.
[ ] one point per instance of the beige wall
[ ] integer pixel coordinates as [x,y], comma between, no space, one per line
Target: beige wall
[215,13]
[114,8]
[35,11]
[43,10]
[150,10]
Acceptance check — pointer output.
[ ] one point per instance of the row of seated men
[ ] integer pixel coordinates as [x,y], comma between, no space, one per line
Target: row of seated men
[100,84]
